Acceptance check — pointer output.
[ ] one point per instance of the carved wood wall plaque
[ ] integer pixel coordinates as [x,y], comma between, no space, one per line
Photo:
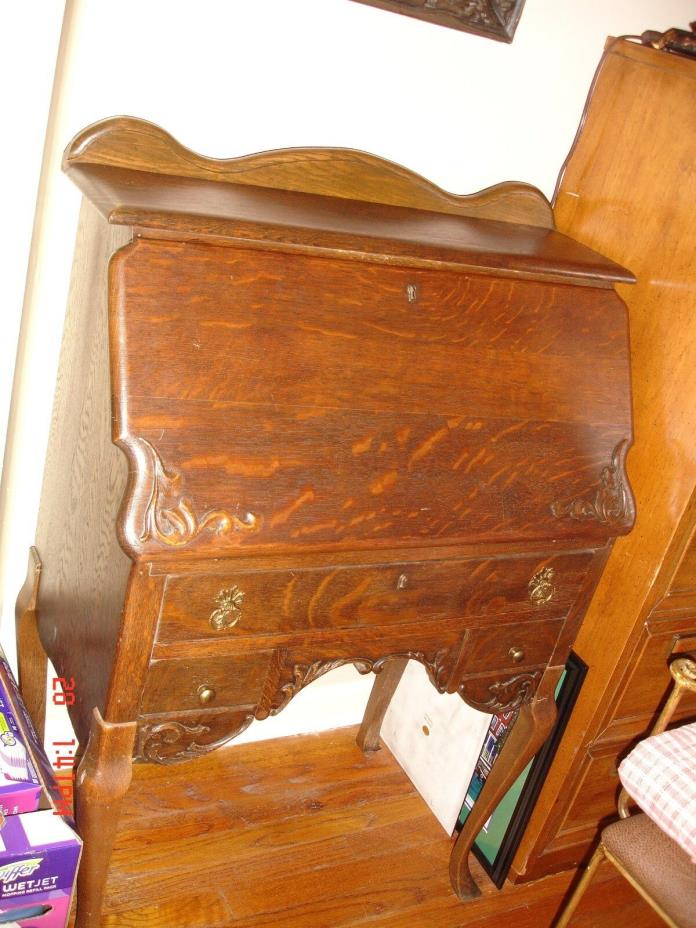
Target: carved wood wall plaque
[493,19]
[612,503]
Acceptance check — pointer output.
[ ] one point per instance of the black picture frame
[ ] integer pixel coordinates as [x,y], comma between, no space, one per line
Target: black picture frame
[566,697]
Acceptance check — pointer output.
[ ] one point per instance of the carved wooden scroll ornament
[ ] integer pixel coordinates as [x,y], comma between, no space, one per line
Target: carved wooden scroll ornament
[612,503]
[169,517]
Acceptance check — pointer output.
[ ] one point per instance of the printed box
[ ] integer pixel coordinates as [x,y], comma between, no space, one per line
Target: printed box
[39,850]
[20,787]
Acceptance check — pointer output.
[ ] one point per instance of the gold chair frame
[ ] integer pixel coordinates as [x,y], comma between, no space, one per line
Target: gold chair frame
[683,671]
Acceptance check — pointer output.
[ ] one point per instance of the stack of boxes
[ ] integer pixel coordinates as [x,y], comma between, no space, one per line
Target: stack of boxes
[39,849]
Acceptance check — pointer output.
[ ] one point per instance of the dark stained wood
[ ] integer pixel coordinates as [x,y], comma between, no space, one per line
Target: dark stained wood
[379,430]
[164,206]
[177,684]
[332,450]
[381,695]
[137,145]
[626,190]
[482,17]
[517,645]
[32,664]
[529,732]
[360,639]
[133,650]
[102,780]
[85,572]
[295,600]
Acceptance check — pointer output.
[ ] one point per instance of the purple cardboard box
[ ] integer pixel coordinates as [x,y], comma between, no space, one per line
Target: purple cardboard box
[20,787]
[39,850]
[38,862]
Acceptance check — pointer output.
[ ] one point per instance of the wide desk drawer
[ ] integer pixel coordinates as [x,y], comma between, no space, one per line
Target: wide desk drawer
[248,603]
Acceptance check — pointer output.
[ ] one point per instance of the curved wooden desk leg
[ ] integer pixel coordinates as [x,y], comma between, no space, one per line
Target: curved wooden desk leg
[32,662]
[384,687]
[529,732]
[103,778]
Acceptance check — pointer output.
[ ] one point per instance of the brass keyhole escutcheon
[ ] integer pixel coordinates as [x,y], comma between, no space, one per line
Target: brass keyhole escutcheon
[206,694]
[402,582]
[229,608]
[541,588]
[517,655]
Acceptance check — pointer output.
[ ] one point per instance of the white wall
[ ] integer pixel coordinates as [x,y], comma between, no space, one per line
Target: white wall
[27,62]
[228,78]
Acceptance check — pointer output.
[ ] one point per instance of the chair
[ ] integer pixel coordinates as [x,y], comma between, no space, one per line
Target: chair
[642,851]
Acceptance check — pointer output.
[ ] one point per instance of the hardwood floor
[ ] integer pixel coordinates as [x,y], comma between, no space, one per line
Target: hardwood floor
[307,832]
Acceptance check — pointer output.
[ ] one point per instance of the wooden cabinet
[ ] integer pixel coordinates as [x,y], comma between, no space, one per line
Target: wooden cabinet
[628,189]
[354,420]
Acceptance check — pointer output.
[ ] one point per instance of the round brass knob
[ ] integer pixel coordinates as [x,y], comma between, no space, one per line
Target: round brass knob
[206,694]
[517,654]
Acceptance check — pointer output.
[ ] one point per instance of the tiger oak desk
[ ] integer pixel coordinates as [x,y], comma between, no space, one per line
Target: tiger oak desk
[321,412]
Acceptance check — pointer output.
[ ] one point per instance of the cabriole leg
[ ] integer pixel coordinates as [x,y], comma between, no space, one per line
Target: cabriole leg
[103,778]
[530,731]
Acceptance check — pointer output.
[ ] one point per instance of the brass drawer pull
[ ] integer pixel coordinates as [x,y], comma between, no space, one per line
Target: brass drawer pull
[541,588]
[517,654]
[229,611]
[206,694]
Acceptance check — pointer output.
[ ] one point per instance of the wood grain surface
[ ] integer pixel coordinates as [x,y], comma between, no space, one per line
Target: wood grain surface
[171,207]
[306,599]
[294,832]
[137,145]
[353,396]
[84,571]
[627,189]
[299,403]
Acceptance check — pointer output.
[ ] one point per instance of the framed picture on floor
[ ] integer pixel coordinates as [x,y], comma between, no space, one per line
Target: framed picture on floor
[499,838]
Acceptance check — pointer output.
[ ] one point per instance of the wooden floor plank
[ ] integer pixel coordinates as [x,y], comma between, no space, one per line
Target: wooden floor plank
[307,832]
[215,846]
[193,911]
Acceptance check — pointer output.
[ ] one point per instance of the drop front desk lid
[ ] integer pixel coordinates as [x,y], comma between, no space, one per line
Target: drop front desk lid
[319,350]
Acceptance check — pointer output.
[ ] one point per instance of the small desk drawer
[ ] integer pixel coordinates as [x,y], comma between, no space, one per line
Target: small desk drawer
[209,682]
[256,602]
[529,644]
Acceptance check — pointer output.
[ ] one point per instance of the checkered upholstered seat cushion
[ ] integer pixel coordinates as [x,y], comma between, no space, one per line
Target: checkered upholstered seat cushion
[660,775]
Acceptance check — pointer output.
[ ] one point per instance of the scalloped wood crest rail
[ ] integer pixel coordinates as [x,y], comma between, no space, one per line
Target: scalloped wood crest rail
[138,145]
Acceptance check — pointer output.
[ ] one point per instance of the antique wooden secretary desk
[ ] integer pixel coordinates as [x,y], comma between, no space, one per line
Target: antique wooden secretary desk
[311,411]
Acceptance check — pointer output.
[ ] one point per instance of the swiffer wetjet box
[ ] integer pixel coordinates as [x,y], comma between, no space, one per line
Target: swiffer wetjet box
[39,849]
